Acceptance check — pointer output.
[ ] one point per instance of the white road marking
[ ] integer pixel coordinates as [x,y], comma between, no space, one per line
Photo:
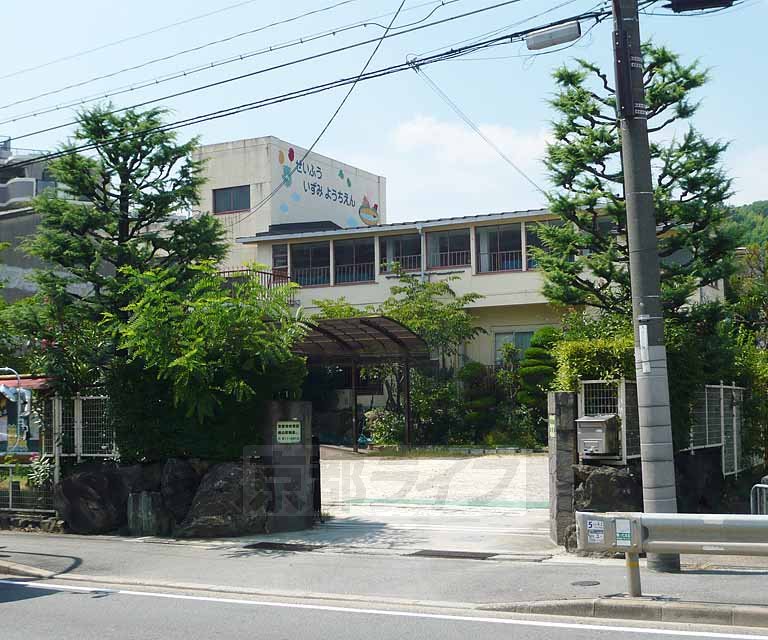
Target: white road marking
[395,613]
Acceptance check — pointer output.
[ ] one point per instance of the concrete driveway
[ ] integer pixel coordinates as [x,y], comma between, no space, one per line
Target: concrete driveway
[473,504]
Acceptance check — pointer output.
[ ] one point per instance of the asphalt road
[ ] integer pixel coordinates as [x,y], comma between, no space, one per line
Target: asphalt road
[42,611]
[370,574]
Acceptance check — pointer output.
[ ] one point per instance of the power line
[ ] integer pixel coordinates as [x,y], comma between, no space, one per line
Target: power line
[282,65]
[471,124]
[330,120]
[180,53]
[183,73]
[79,54]
[308,91]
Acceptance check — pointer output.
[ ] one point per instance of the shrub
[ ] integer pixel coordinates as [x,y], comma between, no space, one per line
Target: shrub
[385,427]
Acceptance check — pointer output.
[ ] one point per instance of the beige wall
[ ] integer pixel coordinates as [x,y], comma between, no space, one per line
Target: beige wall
[504,320]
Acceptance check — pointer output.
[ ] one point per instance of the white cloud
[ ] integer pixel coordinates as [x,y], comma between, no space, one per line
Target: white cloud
[438,168]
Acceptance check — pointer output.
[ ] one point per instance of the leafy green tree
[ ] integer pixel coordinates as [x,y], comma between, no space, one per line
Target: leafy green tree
[126,206]
[750,222]
[585,260]
[748,292]
[211,343]
[434,311]
[125,212]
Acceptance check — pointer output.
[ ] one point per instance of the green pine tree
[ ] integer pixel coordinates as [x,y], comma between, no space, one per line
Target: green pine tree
[585,260]
[126,210]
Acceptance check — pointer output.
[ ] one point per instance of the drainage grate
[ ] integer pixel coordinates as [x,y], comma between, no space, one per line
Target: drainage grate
[464,555]
[585,583]
[282,546]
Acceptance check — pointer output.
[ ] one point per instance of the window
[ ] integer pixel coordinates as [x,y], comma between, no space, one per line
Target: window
[354,260]
[449,248]
[311,263]
[499,248]
[280,259]
[532,238]
[521,340]
[232,199]
[404,250]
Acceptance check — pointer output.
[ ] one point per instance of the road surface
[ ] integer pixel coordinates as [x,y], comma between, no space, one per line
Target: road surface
[42,611]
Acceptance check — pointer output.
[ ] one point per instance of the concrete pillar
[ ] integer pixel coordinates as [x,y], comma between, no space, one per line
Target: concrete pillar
[563,454]
[289,463]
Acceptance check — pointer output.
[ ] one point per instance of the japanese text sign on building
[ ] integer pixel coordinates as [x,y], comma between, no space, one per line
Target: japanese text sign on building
[288,432]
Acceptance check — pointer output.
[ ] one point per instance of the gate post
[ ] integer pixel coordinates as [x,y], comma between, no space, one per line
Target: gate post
[563,454]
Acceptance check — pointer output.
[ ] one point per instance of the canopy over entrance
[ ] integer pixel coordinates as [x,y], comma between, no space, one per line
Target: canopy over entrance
[367,340]
[363,340]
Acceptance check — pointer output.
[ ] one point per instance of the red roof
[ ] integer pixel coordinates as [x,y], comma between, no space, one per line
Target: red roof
[32,383]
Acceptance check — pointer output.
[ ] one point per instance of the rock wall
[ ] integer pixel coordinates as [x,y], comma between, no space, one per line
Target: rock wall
[184,498]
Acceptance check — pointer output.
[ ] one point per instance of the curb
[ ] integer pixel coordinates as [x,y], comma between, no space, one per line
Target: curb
[23,570]
[648,609]
[16,569]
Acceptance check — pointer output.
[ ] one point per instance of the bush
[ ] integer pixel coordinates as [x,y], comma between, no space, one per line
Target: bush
[385,427]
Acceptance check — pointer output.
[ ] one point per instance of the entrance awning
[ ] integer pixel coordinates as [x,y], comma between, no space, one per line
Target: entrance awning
[362,340]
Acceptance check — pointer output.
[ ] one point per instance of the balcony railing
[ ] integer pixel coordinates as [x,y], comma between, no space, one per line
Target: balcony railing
[311,276]
[267,279]
[501,261]
[407,263]
[360,272]
[450,259]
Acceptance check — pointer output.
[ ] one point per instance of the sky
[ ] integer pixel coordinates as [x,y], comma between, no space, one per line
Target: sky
[396,126]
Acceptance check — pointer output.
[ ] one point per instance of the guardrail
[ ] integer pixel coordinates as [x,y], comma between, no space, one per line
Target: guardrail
[636,533]
[758,499]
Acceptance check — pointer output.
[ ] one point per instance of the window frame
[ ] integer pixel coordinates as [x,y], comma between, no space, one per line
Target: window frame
[246,188]
[438,236]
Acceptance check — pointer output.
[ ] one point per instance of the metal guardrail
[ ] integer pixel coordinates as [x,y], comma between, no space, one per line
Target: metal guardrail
[758,500]
[636,533]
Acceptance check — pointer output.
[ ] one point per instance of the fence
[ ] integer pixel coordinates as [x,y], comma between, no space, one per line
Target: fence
[717,418]
[81,427]
[19,493]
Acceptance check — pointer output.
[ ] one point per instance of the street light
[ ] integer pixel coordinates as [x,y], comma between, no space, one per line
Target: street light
[553,36]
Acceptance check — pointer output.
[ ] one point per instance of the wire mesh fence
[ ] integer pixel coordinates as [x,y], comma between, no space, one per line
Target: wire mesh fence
[19,491]
[80,426]
[716,418]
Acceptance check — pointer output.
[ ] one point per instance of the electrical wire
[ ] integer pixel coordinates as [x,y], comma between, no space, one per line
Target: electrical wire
[287,178]
[101,47]
[471,124]
[184,73]
[282,65]
[301,93]
[180,53]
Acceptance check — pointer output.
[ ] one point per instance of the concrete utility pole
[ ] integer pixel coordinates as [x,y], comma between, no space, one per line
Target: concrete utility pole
[659,493]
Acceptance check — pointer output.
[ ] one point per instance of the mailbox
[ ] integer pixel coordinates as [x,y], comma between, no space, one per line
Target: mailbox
[598,436]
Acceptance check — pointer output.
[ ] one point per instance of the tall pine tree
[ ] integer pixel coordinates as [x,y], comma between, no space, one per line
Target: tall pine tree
[585,260]
[126,209]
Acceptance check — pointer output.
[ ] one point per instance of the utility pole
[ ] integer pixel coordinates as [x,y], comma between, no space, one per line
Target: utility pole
[657,459]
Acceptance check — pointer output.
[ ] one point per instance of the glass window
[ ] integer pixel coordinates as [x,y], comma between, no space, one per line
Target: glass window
[532,238]
[521,340]
[499,248]
[232,199]
[280,258]
[311,263]
[449,248]
[404,250]
[354,260]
